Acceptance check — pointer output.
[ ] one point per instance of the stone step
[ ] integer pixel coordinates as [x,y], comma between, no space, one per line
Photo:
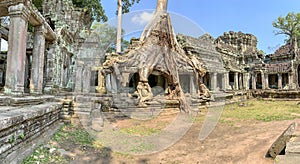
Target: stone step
[287,159]
[292,148]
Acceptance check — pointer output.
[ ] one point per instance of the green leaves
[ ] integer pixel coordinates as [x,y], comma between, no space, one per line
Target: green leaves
[288,25]
[94,7]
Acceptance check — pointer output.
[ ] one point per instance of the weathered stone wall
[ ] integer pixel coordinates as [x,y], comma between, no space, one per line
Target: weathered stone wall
[23,129]
[67,22]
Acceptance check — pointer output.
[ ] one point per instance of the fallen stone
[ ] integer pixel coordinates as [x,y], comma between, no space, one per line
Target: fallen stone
[280,143]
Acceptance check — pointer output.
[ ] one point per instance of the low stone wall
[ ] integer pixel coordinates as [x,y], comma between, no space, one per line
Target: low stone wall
[24,128]
[277,94]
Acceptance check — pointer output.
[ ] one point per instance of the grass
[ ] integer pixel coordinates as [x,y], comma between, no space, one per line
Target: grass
[74,134]
[66,134]
[140,130]
[262,111]
[43,155]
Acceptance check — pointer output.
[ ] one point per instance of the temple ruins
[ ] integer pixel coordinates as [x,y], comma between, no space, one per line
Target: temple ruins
[51,67]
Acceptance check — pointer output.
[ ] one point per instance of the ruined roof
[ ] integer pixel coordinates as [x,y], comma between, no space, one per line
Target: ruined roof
[238,43]
[205,50]
[284,52]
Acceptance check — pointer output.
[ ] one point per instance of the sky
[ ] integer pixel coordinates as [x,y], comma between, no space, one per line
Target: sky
[215,17]
[195,17]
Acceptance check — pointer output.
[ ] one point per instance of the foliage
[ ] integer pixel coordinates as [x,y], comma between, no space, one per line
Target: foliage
[38,4]
[288,25]
[96,8]
[105,35]
[127,4]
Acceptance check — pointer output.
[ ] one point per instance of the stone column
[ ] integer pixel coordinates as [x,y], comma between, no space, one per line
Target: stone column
[15,71]
[101,88]
[0,37]
[213,81]
[279,81]
[226,81]
[236,80]
[50,69]
[246,80]
[193,89]
[86,80]
[223,87]
[114,85]
[38,54]
[291,86]
[78,80]
[254,80]
[263,80]
[241,81]
[267,81]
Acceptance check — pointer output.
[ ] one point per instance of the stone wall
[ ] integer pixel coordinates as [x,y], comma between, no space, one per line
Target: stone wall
[23,128]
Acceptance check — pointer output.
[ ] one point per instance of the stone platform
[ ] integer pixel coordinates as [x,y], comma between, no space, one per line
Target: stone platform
[23,127]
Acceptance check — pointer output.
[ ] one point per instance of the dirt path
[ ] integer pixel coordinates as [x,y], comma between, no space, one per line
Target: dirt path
[243,142]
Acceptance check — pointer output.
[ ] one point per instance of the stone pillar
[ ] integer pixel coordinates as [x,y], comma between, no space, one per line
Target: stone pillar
[78,80]
[213,81]
[246,81]
[223,87]
[193,89]
[0,37]
[291,85]
[226,81]
[15,71]
[108,83]
[101,88]
[236,80]
[267,81]
[254,80]
[50,69]
[37,67]
[241,81]
[263,80]
[86,80]
[279,81]
[114,85]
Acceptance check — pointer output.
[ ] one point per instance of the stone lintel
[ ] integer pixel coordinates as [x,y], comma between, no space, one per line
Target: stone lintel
[19,10]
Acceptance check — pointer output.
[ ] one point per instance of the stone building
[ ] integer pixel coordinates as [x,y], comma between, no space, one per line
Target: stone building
[56,57]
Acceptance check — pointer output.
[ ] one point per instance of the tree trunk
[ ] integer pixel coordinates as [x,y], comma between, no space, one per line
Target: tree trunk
[162,5]
[119,30]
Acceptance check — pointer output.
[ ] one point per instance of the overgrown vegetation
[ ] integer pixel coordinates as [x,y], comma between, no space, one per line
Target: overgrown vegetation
[51,153]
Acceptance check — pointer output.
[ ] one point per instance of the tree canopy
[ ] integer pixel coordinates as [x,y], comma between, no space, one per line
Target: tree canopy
[289,26]
[97,11]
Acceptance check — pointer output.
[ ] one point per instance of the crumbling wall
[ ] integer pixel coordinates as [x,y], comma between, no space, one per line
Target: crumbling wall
[23,129]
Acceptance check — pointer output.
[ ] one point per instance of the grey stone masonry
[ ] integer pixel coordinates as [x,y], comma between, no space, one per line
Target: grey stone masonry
[22,127]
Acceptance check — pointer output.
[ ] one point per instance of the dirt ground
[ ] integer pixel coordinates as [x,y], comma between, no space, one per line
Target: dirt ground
[239,142]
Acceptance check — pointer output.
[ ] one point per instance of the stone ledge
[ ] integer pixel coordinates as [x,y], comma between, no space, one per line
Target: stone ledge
[18,115]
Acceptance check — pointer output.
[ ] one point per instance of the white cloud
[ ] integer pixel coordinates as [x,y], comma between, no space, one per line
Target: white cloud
[142,18]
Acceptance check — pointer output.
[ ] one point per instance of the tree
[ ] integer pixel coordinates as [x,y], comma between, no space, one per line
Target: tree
[289,26]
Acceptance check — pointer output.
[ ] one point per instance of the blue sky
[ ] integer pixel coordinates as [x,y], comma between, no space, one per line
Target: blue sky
[216,16]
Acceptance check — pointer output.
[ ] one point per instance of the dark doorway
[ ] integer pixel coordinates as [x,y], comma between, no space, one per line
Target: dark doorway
[273,81]
[133,82]
[231,79]
[156,80]
[258,81]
